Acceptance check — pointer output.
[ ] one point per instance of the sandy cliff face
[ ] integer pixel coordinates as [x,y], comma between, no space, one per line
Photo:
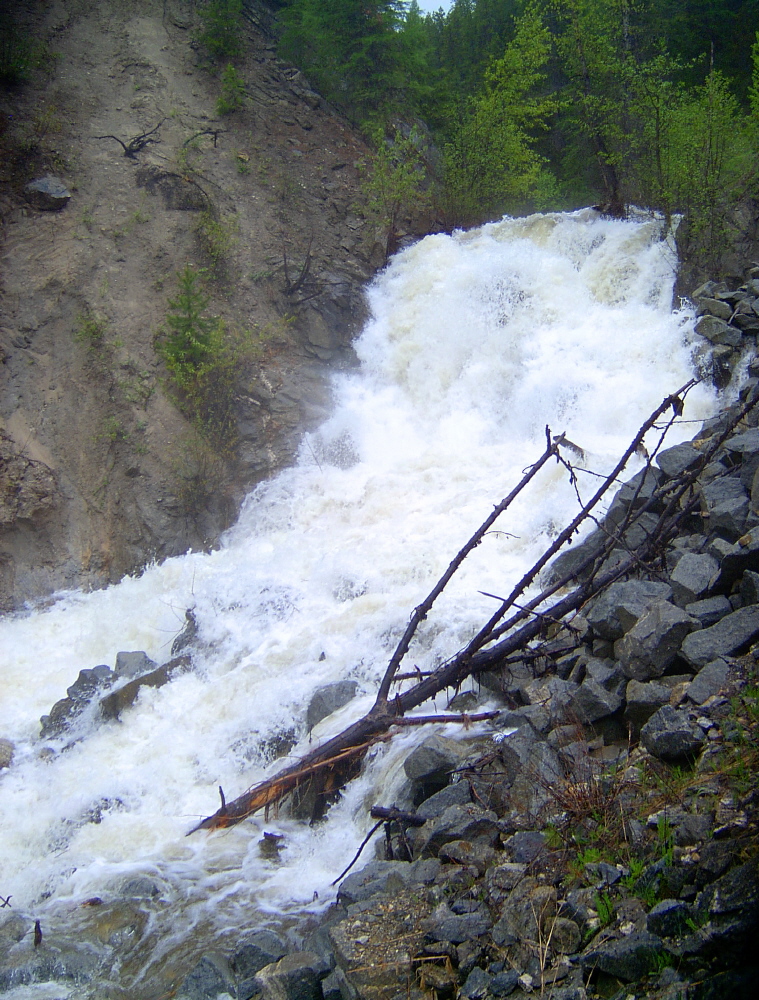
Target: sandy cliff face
[99,471]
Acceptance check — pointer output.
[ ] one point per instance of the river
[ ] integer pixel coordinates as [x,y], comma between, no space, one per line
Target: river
[476,342]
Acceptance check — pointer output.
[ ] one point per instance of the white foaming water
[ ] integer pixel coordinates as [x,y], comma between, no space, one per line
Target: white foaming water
[477,342]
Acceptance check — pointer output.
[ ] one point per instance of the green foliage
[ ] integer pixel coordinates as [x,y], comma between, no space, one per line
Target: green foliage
[90,330]
[393,180]
[753,93]
[491,164]
[221,33]
[604,907]
[203,357]
[20,55]
[218,238]
[232,96]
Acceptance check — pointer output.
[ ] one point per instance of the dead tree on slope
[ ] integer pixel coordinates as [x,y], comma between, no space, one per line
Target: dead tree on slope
[519,620]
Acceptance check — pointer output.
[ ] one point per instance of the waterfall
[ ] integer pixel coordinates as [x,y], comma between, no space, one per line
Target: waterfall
[477,341]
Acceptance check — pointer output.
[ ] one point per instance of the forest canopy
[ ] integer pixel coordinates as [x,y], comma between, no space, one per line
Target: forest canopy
[533,104]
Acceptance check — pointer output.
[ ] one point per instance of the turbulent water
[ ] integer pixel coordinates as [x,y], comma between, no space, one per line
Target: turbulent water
[476,342]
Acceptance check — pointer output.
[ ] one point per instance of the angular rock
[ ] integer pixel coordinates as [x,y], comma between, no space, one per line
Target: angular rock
[326,700]
[619,607]
[382,877]
[530,909]
[732,906]
[750,587]
[708,681]
[671,736]
[210,979]
[717,331]
[652,644]
[468,822]
[731,635]
[504,983]
[114,703]
[709,611]
[133,664]
[676,460]
[294,977]
[713,307]
[89,681]
[668,918]
[478,984]
[643,699]
[565,936]
[433,760]
[262,948]
[445,925]
[501,879]
[552,694]
[692,577]
[628,958]
[600,693]
[744,443]
[457,794]
[464,852]
[524,846]
[47,194]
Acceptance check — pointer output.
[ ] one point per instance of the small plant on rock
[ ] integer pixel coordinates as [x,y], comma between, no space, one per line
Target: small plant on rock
[221,33]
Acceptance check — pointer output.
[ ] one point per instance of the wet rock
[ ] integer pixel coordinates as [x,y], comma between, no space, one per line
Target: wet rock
[328,699]
[47,194]
[708,681]
[256,952]
[90,681]
[732,634]
[187,636]
[294,977]
[628,958]
[114,703]
[211,979]
[671,736]
[653,643]
[620,606]
[7,749]
[132,664]
[717,331]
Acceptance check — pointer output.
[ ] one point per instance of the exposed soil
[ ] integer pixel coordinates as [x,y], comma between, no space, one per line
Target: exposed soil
[88,419]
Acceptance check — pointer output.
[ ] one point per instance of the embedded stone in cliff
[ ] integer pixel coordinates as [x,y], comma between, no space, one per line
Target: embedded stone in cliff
[328,699]
[620,606]
[47,194]
[732,634]
[671,736]
[654,641]
[717,331]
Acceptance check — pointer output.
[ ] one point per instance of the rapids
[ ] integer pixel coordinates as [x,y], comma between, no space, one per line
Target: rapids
[476,342]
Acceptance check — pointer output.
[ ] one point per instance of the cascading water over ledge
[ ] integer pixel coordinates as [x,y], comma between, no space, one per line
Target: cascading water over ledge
[477,341]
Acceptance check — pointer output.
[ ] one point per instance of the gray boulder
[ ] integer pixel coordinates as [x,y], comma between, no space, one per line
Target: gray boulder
[47,194]
[387,877]
[676,460]
[731,635]
[7,750]
[669,917]
[211,979]
[708,681]
[750,587]
[445,925]
[709,611]
[628,958]
[619,607]
[692,577]
[652,644]
[457,794]
[600,693]
[643,699]
[717,331]
[671,736]
[461,822]
[328,699]
[433,760]
[262,948]
[133,664]
[294,977]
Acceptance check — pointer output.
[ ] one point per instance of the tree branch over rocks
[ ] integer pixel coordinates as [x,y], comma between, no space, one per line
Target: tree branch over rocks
[520,620]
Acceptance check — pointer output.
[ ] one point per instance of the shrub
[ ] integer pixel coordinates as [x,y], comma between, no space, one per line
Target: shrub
[222,28]
[232,96]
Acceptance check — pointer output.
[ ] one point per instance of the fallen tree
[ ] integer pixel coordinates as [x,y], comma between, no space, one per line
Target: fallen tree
[513,629]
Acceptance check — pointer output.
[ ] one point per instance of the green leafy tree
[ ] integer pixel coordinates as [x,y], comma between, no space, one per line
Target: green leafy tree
[491,164]
[393,182]
[232,96]
[192,335]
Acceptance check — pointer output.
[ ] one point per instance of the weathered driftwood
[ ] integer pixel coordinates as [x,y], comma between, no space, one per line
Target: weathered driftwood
[329,766]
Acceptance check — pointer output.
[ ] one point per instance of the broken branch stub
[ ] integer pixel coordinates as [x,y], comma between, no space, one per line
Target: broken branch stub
[329,766]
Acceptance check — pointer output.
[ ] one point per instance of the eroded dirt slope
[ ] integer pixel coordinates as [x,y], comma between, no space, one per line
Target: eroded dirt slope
[113,474]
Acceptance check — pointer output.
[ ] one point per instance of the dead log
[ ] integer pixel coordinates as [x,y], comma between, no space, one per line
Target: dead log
[336,761]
